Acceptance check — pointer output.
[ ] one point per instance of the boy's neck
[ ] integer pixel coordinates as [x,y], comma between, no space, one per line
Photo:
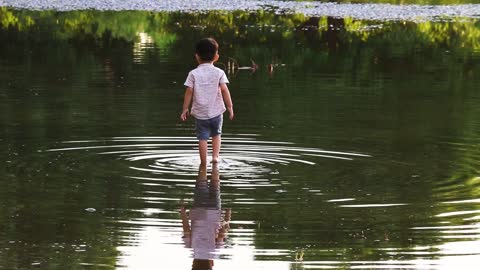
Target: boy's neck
[205,62]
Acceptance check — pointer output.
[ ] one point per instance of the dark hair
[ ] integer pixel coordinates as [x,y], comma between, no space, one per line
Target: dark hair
[206,49]
[200,264]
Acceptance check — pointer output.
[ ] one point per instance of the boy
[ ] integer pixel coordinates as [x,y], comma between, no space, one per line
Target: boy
[207,88]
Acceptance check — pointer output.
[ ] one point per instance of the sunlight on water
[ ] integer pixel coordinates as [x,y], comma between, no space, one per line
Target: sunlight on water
[141,47]
[371,205]
[154,248]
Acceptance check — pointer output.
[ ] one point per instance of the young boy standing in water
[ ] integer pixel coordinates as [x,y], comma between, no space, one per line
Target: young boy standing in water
[208,93]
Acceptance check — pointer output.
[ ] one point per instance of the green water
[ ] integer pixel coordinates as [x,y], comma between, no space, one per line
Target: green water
[359,148]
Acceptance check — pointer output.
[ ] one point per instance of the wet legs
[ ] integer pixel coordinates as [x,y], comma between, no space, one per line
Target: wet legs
[216,143]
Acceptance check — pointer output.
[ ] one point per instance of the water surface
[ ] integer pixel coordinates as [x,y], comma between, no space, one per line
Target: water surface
[355,143]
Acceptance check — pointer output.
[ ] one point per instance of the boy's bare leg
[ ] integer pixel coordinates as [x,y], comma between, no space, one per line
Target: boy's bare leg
[215,180]
[202,172]
[216,143]
[203,149]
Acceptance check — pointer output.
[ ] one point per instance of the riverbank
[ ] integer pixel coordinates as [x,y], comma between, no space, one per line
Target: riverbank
[383,12]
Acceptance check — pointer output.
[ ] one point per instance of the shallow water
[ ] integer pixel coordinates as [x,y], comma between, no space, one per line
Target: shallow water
[355,144]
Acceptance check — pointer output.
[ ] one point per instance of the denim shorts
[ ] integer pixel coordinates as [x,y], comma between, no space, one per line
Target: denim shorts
[209,128]
[206,195]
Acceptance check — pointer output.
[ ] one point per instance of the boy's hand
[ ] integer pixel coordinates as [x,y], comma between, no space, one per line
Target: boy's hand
[231,114]
[184,115]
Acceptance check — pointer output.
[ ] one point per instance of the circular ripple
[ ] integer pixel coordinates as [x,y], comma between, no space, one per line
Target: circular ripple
[240,156]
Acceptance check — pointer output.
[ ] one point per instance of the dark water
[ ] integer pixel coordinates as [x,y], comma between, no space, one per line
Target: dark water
[355,144]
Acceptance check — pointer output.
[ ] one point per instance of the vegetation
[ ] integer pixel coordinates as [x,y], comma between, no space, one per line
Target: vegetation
[71,74]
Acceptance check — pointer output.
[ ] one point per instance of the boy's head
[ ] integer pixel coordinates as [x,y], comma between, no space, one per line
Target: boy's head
[207,50]
[200,264]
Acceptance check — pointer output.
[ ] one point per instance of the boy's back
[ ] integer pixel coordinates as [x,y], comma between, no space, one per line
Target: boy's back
[207,97]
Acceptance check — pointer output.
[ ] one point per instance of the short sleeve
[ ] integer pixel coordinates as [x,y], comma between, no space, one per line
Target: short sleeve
[190,80]
[223,78]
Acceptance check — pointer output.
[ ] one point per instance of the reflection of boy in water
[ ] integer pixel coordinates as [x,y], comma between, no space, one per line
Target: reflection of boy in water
[206,231]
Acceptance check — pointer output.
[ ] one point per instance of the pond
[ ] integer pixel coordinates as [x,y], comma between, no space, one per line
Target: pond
[356,141]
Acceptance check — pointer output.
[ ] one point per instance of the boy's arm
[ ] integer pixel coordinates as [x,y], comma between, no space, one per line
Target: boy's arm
[185,224]
[187,100]
[222,233]
[227,99]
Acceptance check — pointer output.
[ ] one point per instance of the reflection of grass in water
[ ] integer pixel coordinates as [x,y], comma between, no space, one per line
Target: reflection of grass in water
[10,18]
[257,26]
[92,24]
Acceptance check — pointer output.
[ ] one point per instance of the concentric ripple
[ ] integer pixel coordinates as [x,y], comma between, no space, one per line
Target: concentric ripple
[240,156]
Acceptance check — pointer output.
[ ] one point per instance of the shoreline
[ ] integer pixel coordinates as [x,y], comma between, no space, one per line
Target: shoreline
[380,12]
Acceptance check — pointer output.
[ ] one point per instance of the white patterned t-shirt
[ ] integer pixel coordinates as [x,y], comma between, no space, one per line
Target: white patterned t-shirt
[207,98]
